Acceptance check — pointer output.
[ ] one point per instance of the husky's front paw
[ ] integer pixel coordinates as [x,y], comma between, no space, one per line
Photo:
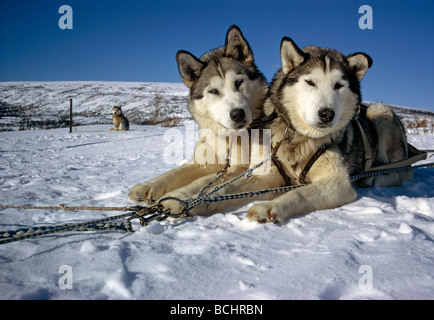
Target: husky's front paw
[174,203]
[147,192]
[263,213]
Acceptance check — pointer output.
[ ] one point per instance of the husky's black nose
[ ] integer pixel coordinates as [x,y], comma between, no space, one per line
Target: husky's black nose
[326,114]
[237,115]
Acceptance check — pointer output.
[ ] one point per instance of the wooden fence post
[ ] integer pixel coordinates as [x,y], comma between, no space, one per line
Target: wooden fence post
[70,115]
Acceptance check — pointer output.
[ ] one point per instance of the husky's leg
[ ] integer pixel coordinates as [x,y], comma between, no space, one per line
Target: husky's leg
[392,143]
[330,187]
[154,189]
[327,193]
[256,182]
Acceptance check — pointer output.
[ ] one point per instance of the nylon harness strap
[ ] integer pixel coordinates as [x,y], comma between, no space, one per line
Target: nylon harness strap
[278,164]
[268,120]
[413,156]
[302,176]
[301,179]
[366,147]
[312,160]
[258,123]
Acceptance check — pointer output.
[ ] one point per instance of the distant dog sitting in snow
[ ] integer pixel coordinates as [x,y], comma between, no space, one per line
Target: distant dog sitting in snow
[119,120]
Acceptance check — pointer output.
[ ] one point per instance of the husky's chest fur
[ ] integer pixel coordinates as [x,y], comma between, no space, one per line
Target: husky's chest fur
[117,119]
[296,153]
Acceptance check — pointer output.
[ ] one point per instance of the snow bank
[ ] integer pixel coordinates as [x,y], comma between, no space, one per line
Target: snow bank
[379,247]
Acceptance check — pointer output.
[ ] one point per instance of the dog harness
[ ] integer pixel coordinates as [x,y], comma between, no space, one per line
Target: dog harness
[290,179]
[258,123]
[366,145]
[301,178]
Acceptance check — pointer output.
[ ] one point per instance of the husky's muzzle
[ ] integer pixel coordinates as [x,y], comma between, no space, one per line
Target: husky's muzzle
[237,115]
[239,118]
[326,115]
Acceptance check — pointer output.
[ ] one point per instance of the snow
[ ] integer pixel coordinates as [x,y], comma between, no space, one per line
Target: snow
[87,95]
[45,101]
[93,101]
[379,247]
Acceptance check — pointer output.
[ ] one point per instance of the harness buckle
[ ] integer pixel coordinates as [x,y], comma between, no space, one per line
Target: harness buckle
[148,214]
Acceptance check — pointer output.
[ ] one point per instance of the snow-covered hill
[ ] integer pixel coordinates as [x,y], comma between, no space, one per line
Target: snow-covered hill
[379,247]
[92,102]
[46,104]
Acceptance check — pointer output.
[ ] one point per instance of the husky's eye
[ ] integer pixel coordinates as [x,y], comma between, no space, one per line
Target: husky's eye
[213,91]
[338,86]
[238,83]
[310,82]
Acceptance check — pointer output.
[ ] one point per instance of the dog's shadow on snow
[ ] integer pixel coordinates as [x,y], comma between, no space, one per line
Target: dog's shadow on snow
[420,186]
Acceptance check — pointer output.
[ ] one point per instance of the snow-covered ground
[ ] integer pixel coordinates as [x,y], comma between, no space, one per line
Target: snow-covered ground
[92,102]
[86,95]
[46,104]
[379,247]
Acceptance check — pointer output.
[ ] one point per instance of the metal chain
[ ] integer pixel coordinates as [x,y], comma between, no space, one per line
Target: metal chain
[190,203]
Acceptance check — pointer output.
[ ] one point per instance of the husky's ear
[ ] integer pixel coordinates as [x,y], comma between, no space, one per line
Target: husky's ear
[189,67]
[359,63]
[237,47]
[290,54]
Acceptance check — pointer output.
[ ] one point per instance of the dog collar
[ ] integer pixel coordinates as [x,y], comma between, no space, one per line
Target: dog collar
[264,121]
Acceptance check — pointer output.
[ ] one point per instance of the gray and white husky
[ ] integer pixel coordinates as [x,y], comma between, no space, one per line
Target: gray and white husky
[120,122]
[317,139]
[227,92]
[317,97]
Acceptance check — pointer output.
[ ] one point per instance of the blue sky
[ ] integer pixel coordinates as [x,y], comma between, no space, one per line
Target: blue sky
[134,40]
